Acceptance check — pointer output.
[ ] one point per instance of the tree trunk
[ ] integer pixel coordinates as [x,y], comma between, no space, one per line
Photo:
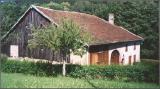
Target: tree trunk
[65,55]
[64,67]
[64,63]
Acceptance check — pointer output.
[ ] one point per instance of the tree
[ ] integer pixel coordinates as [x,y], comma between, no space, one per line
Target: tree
[83,6]
[57,6]
[67,37]
[10,12]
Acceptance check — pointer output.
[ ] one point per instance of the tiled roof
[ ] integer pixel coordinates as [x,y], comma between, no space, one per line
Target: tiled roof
[101,30]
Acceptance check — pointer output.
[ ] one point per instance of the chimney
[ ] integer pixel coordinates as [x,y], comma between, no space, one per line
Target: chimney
[111,18]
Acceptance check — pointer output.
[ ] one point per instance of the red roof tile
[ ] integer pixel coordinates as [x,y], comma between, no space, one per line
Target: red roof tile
[102,30]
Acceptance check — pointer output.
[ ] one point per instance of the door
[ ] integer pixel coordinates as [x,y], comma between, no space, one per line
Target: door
[115,57]
[14,51]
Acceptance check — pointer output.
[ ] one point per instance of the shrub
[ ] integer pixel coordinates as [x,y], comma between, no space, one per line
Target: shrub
[136,72]
[39,68]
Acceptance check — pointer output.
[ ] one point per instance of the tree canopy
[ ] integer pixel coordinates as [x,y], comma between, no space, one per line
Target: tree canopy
[67,38]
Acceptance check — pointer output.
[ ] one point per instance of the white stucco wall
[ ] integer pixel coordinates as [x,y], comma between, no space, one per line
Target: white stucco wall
[75,59]
[84,60]
[122,50]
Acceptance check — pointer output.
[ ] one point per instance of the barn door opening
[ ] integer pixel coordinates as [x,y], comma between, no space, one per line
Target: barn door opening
[14,52]
[115,57]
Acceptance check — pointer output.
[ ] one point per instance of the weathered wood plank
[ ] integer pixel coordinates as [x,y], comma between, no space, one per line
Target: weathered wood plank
[23,30]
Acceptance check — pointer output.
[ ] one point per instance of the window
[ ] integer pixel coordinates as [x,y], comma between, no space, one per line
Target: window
[134,46]
[134,57]
[126,47]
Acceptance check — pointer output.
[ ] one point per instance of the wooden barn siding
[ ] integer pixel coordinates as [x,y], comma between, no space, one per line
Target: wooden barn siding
[36,19]
[99,54]
[5,48]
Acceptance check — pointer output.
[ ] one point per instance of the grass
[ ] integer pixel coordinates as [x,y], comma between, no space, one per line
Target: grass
[16,80]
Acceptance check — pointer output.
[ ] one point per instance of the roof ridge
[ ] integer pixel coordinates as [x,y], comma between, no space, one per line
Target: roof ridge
[78,13]
[75,12]
[35,7]
[63,10]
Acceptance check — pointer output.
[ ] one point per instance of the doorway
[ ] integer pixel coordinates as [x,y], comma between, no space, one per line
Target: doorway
[14,51]
[115,57]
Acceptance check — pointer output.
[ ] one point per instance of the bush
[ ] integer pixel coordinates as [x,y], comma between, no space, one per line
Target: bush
[39,68]
[137,72]
[143,71]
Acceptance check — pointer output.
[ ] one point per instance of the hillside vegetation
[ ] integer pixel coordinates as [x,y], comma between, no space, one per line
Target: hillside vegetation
[138,16]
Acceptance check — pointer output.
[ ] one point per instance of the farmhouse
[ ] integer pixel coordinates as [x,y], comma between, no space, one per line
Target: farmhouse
[112,45]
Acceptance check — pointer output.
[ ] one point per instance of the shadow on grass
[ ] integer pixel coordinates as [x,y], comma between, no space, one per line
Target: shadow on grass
[88,81]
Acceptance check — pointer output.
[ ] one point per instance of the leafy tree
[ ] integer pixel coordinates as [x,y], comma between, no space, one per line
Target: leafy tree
[141,19]
[10,13]
[84,6]
[57,6]
[67,37]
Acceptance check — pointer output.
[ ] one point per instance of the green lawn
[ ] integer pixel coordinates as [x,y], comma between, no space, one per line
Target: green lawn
[15,80]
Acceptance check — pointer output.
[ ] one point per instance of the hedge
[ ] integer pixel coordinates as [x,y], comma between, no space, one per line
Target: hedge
[137,72]
[147,72]
[38,68]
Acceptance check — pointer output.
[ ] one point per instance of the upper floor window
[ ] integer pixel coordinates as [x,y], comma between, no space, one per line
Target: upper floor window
[134,46]
[126,47]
